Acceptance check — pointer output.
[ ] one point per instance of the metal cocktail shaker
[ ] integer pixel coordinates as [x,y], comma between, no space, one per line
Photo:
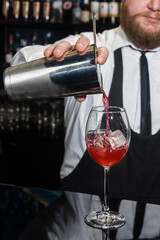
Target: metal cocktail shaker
[48,78]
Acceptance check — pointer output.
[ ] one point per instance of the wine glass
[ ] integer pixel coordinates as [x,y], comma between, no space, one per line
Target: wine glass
[107,137]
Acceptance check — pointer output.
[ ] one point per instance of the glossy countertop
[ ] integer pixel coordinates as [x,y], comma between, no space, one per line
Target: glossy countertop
[40,214]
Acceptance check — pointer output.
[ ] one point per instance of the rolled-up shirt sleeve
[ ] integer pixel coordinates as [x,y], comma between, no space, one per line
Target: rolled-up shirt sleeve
[28,54]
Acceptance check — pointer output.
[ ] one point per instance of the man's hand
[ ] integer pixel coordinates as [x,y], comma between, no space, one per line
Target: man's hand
[60,50]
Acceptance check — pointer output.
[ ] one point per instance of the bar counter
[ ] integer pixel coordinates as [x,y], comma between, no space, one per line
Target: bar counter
[40,214]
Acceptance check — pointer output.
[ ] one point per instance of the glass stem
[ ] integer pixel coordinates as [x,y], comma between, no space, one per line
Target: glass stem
[105,234]
[106,184]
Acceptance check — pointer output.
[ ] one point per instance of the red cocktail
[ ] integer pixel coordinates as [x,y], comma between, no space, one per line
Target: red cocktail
[107,140]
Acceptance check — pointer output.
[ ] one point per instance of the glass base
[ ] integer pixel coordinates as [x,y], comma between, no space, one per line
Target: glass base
[105,220]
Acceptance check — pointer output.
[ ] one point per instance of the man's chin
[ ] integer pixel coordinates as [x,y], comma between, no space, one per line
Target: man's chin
[152,29]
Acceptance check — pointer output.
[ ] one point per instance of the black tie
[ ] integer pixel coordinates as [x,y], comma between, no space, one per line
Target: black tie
[145,126]
[145,129]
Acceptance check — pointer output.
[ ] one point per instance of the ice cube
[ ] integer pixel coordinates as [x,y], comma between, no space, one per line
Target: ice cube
[116,139]
[100,141]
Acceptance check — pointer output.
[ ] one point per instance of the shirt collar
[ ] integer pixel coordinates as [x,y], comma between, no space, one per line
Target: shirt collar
[121,41]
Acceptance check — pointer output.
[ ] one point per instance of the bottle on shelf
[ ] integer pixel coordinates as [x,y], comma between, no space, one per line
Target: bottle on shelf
[57,11]
[94,8]
[36,10]
[10,9]
[76,12]
[23,43]
[17,37]
[34,38]
[113,10]
[47,38]
[25,13]
[85,12]
[5,9]
[9,53]
[67,11]
[16,9]
[46,10]
[103,13]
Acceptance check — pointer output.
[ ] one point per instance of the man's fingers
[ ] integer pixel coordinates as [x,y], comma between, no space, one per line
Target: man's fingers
[57,50]
[102,55]
[82,44]
[61,49]
[48,52]
[80,98]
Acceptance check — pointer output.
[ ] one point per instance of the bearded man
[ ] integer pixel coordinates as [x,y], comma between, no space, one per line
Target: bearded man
[135,181]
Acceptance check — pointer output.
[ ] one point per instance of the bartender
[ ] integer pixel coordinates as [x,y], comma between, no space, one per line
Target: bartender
[134,55]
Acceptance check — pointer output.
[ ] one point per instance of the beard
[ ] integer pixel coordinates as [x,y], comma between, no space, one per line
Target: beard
[137,34]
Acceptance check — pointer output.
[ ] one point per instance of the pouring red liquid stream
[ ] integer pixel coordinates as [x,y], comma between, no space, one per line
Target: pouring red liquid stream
[106,106]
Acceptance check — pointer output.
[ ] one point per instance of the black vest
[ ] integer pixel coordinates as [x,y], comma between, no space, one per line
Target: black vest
[136,176]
